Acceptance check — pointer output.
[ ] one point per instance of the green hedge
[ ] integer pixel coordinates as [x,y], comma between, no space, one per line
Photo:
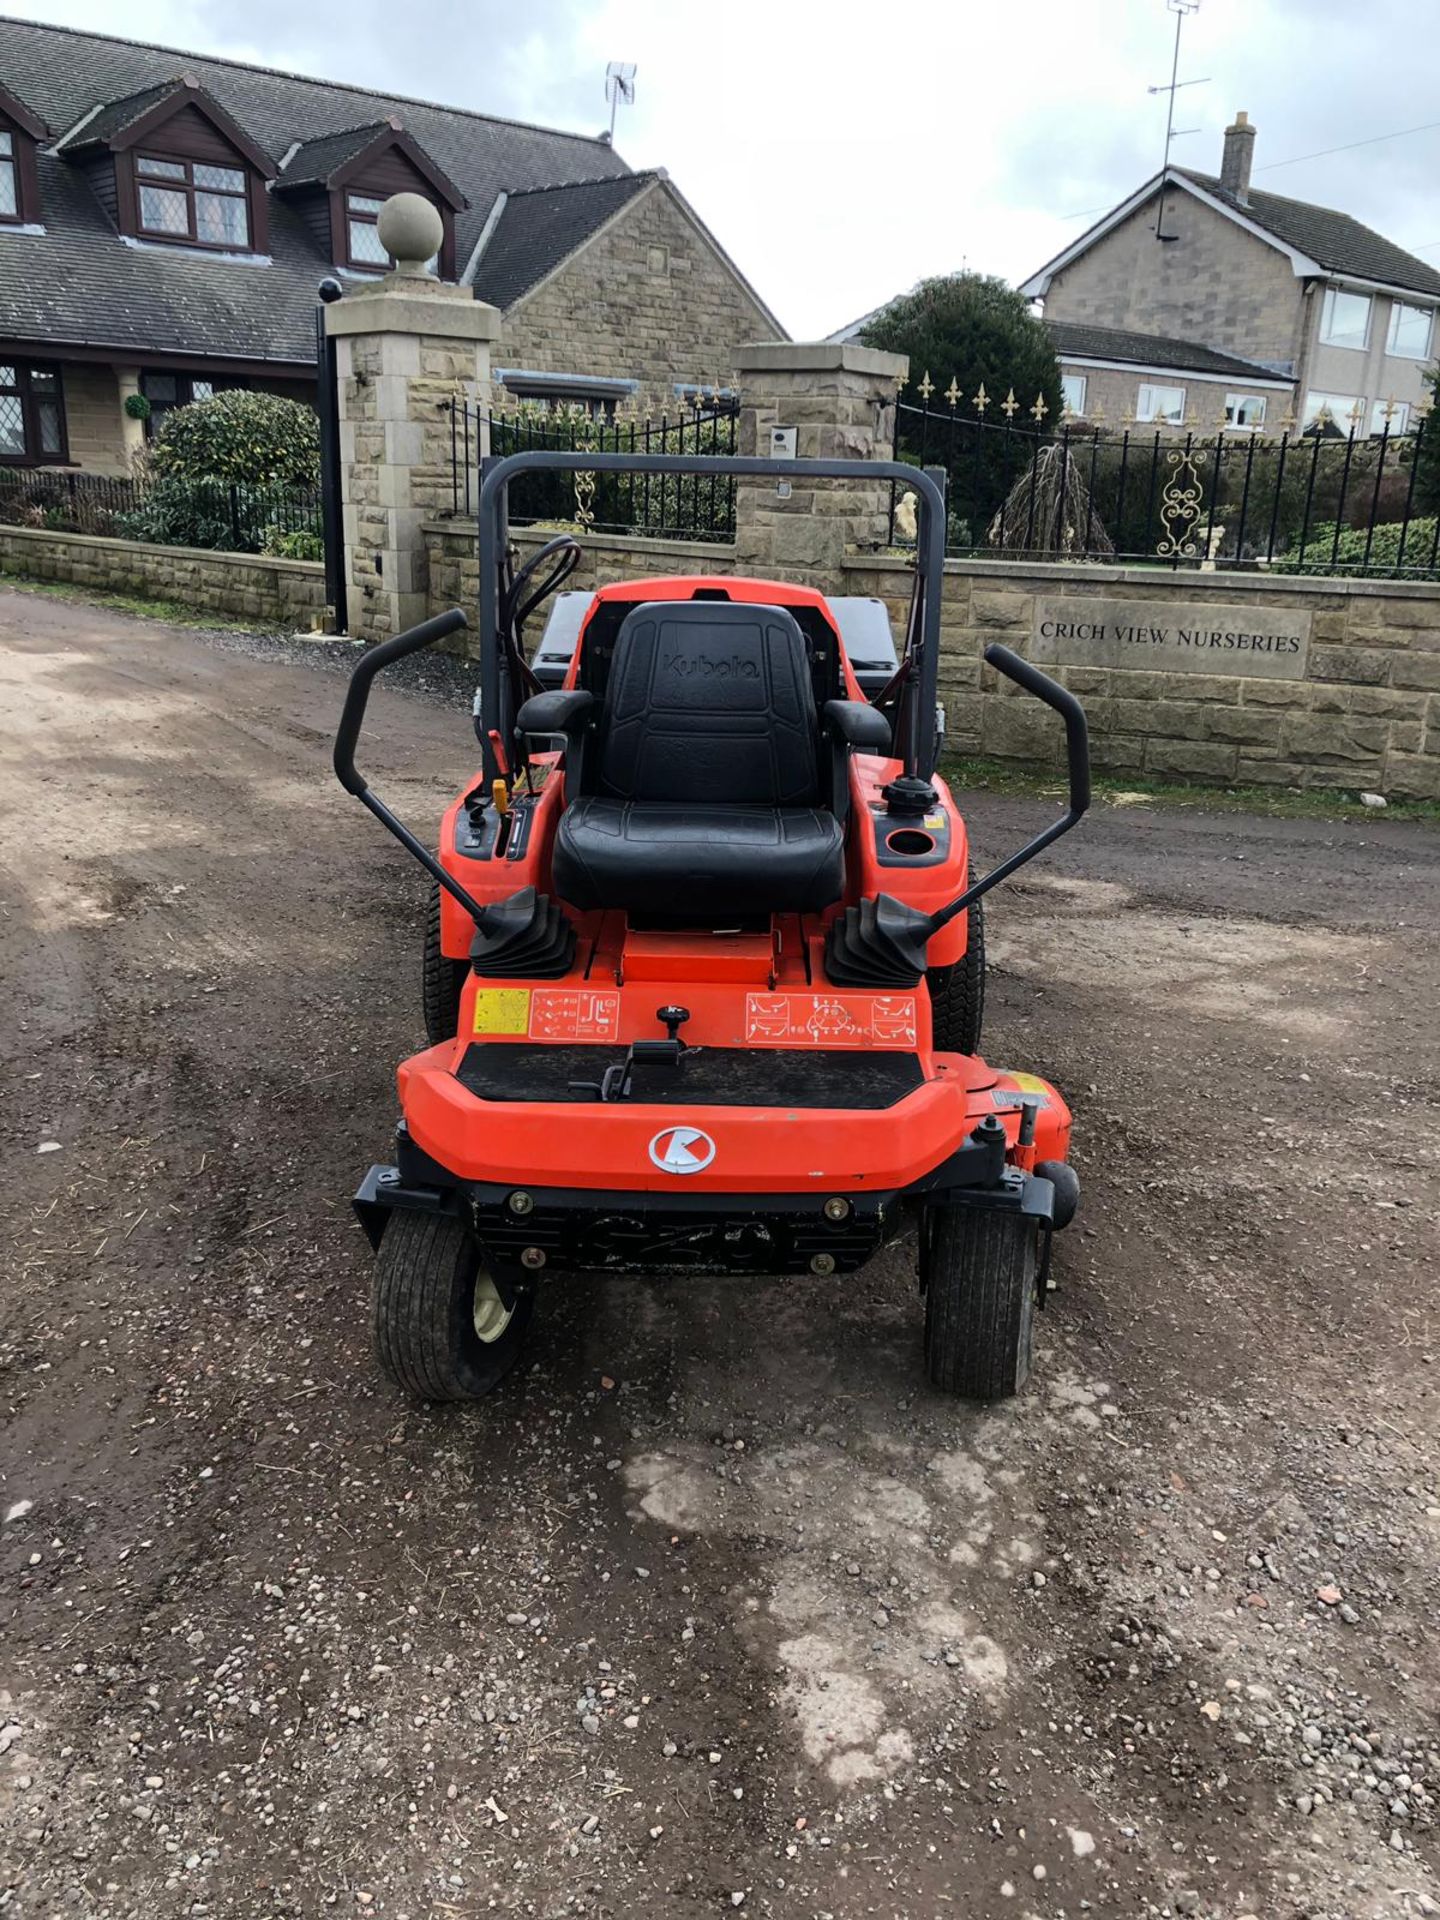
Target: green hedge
[1322,555]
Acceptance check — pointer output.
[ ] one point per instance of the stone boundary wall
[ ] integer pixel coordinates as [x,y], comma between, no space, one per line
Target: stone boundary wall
[1364,714]
[290,594]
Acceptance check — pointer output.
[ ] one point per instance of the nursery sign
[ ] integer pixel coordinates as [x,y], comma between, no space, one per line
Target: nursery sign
[1272,643]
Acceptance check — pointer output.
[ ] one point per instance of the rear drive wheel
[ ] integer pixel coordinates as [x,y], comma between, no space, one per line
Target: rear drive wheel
[440,980]
[980,1301]
[957,993]
[442,1332]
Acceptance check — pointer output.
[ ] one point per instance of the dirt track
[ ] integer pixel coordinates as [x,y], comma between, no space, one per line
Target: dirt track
[715,1605]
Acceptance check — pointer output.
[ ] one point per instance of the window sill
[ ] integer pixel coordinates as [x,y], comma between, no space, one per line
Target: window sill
[30,227]
[144,244]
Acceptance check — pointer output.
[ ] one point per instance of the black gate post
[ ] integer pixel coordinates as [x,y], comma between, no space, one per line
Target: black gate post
[327,399]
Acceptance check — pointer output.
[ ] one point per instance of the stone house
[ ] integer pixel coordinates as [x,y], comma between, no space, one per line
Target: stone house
[1194,269]
[165,220]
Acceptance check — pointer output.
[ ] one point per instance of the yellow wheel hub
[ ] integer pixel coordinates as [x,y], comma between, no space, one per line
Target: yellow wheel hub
[490,1313]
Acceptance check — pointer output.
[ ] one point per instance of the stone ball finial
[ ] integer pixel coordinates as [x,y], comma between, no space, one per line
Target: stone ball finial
[411,231]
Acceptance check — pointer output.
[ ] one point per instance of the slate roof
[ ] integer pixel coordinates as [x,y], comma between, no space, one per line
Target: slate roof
[540,228]
[315,161]
[80,284]
[120,114]
[1076,341]
[1340,244]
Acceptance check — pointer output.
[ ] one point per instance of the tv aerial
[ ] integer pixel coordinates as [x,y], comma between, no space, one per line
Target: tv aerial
[619,89]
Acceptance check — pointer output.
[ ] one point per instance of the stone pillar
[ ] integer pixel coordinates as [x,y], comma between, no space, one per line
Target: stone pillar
[405,347]
[840,399]
[132,431]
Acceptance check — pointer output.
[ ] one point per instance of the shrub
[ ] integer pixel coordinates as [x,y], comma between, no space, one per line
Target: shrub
[226,516]
[1349,552]
[255,439]
[293,544]
[1427,459]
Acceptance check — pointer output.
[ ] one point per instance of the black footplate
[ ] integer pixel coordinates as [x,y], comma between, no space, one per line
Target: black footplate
[839,1077]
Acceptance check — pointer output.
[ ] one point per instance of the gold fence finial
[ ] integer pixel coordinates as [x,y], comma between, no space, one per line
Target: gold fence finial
[1039,409]
[926,387]
[952,394]
[981,400]
[1010,406]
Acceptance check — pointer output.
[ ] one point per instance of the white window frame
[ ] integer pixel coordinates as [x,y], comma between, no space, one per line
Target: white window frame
[1397,307]
[1070,382]
[1327,318]
[1146,396]
[1340,406]
[1235,402]
[1399,418]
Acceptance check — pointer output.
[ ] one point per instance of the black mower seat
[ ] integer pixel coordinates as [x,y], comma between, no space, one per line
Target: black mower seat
[654,858]
[701,786]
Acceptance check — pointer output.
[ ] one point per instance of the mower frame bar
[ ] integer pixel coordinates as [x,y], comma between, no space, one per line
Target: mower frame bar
[1077,754]
[347,737]
[915,742]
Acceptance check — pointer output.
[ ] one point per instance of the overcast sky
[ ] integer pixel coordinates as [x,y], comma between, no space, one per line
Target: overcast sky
[840,151]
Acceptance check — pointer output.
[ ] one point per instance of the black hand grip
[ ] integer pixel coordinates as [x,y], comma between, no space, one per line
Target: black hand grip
[375,660]
[1077,734]
[1077,743]
[352,718]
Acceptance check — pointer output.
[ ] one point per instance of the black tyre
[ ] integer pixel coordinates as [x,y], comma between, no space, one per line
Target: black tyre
[440,980]
[441,1330]
[957,994]
[979,1301]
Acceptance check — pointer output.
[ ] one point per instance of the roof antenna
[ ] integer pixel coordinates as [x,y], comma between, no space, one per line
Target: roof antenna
[1180,9]
[619,85]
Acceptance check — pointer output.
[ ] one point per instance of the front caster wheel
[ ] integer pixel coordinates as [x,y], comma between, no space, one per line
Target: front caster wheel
[979,1301]
[442,1332]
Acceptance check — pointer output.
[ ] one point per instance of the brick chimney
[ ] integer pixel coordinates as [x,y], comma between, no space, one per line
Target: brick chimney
[1235,163]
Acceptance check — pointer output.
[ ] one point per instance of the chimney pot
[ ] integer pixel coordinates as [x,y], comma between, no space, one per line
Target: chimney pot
[1239,152]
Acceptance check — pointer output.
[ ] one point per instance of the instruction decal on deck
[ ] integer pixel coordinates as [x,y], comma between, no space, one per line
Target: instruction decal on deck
[831,1019]
[501,1010]
[564,1013]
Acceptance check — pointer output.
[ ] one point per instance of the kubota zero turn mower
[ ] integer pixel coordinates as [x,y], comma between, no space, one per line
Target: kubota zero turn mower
[704,969]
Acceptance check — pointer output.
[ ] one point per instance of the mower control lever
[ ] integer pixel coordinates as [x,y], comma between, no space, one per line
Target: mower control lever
[1077,749]
[347,736]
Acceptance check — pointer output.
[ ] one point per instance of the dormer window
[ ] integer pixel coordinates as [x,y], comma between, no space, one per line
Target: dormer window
[9,178]
[171,164]
[186,200]
[338,183]
[362,210]
[20,129]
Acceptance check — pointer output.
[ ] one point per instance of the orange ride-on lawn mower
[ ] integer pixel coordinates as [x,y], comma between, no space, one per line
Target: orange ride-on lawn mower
[704,969]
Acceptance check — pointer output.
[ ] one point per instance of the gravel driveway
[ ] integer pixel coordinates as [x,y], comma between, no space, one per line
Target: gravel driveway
[715,1606]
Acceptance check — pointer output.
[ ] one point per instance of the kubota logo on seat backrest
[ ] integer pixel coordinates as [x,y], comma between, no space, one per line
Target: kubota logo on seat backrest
[701,665]
[682,1150]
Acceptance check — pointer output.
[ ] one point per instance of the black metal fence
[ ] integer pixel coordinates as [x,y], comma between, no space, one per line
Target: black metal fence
[668,506]
[229,516]
[1318,502]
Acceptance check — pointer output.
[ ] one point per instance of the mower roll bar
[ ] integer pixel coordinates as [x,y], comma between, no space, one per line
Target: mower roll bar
[1077,753]
[915,741]
[347,735]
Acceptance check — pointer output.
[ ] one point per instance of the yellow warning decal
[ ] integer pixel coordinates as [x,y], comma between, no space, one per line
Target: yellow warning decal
[502,1010]
[1027,1083]
[934,821]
